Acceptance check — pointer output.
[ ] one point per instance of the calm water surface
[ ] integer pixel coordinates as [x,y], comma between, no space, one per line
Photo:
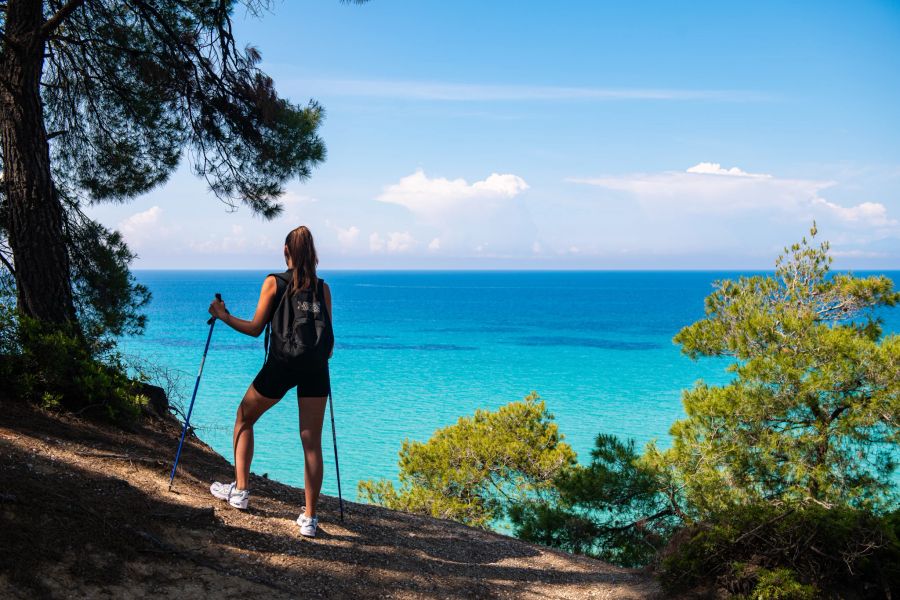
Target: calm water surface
[417,350]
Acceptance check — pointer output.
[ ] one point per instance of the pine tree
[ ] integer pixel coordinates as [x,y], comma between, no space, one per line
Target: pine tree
[811,414]
[810,418]
[99,100]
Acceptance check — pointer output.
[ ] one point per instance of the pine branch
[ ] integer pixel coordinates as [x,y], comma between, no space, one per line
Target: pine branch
[7,264]
[51,24]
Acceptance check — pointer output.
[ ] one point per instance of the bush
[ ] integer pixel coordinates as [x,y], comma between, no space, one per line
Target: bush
[781,585]
[770,552]
[52,368]
[474,470]
[612,509]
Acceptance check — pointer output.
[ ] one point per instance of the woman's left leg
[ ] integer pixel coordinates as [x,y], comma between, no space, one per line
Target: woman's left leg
[312,415]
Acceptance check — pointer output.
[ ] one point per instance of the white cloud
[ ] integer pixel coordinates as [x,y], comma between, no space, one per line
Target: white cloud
[708,168]
[376,242]
[140,223]
[396,242]
[347,237]
[400,242]
[465,215]
[870,213]
[434,244]
[144,228]
[434,199]
[709,189]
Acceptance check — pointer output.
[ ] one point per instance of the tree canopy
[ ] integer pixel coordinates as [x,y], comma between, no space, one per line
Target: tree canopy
[811,414]
[99,101]
[809,419]
[475,470]
[130,85]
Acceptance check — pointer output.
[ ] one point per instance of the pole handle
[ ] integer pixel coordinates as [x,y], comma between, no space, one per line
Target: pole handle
[213,319]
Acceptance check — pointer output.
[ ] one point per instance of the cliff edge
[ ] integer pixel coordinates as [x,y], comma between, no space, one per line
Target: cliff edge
[85,512]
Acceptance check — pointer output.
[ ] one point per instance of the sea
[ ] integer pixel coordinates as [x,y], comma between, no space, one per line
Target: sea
[417,350]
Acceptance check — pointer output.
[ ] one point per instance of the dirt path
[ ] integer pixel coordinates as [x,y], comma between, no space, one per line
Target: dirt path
[85,512]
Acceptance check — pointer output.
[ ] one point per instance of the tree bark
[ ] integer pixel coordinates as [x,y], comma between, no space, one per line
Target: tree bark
[35,214]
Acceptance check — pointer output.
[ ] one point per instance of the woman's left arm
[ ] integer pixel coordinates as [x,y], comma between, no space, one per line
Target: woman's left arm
[260,317]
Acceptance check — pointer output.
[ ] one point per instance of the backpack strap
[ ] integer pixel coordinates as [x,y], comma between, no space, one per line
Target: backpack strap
[320,291]
[278,277]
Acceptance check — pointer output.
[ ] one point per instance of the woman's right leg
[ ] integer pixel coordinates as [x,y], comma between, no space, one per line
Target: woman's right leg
[312,415]
[251,409]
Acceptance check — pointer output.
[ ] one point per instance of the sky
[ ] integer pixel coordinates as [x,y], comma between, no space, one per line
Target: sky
[564,135]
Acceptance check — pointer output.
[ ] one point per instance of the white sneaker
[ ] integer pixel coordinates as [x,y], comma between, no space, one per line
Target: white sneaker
[228,491]
[307,525]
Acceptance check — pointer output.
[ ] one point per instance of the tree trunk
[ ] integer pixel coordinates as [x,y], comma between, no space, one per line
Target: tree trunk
[35,215]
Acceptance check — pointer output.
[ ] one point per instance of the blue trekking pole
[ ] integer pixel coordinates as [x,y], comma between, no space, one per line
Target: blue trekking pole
[336,466]
[187,419]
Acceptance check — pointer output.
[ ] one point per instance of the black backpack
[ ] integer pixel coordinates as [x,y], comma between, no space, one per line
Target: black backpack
[301,333]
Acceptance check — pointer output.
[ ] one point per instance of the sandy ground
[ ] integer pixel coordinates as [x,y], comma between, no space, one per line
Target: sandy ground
[85,513]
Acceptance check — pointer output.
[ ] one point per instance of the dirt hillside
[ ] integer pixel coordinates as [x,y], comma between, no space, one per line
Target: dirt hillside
[85,513]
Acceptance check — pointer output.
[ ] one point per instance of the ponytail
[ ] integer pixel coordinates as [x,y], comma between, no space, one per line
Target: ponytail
[302,252]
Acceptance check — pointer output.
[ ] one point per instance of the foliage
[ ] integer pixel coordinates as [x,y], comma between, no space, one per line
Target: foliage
[130,86]
[811,415]
[51,367]
[765,551]
[808,424]
[611,509]
[474,470]
[107,297]
[781,585]
[127,90]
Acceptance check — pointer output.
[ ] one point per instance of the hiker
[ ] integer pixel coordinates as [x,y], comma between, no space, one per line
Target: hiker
[301,320]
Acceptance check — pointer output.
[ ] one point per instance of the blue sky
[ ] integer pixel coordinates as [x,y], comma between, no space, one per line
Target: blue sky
[566,135]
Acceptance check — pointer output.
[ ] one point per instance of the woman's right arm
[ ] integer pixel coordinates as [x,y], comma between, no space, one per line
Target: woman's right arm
[263,313]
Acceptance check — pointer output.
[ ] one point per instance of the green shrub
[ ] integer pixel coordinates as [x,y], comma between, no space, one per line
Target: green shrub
[53,368]
[612,508]
[474,470]
[781,585]
[771,552]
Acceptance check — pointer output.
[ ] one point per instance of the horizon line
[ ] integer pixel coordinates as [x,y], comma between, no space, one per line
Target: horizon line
[523,270]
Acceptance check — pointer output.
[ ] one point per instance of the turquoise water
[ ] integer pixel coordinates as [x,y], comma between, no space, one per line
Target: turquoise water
[417,350]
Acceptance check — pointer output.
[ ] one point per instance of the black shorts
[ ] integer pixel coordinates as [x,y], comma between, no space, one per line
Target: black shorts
[275,379]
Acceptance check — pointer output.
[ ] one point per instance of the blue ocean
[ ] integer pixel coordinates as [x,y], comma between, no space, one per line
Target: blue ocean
[415,350]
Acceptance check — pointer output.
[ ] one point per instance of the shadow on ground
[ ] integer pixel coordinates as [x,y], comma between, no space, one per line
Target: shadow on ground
[85,509]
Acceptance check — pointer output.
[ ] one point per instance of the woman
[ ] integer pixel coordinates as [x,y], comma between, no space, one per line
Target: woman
[275,379]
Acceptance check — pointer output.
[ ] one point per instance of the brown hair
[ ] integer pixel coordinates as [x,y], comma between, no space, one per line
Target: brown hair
[302,252]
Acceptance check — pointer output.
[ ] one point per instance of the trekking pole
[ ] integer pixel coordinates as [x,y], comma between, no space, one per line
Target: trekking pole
[211,322]
[336,466]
